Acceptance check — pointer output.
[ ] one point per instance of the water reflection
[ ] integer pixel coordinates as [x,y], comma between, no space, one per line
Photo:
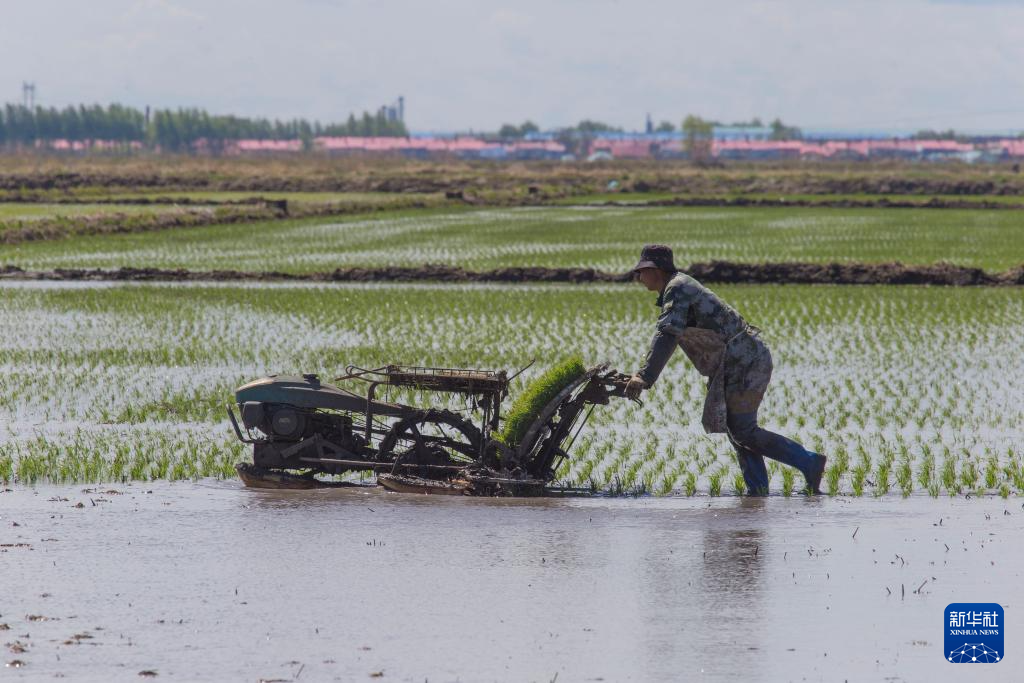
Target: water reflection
[710,589]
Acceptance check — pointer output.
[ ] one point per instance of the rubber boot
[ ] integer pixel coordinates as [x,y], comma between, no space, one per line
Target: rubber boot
[746,434]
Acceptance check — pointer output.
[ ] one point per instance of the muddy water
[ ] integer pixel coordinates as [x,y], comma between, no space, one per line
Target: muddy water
[209,581]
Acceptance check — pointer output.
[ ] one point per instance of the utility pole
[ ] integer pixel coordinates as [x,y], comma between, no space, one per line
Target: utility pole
[28,94]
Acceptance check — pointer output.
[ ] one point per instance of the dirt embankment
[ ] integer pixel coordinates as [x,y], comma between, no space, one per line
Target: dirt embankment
[320,173]
[511,199]
[712,272]
[826,203]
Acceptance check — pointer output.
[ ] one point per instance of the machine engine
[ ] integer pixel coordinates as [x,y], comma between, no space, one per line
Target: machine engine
[283,422]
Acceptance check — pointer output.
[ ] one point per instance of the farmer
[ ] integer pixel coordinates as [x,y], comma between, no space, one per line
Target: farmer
[731,354]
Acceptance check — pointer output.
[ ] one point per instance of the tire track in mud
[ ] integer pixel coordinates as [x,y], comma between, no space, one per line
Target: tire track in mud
[729,272]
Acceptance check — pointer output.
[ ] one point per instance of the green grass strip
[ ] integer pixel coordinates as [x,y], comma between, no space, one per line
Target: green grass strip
[538,394]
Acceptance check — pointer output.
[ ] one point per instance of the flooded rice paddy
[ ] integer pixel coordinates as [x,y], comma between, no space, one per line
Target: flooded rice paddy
[208,581]
[592,237]
[907,389]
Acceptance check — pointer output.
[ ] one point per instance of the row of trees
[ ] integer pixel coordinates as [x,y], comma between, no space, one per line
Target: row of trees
[170,129]
[19,124]
[510,131]
[780,131]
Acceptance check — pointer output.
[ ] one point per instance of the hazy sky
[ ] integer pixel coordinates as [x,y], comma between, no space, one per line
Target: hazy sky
[475,63]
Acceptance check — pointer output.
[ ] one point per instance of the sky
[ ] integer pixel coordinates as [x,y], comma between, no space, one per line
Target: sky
[476,64]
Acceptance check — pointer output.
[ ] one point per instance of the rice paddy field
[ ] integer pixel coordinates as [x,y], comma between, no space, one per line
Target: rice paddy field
[909,390]
[136,551]
[898,384]
[602,238]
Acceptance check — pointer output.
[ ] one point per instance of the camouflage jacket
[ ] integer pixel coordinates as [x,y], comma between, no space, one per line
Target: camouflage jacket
[717,340]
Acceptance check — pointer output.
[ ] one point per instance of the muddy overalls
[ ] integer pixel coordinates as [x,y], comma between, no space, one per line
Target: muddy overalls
[738,365]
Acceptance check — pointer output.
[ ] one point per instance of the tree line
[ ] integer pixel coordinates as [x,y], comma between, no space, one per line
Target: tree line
[174,130]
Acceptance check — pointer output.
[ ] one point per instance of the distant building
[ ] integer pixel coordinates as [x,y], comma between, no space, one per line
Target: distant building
[742,133]
[750,144]
[394,111]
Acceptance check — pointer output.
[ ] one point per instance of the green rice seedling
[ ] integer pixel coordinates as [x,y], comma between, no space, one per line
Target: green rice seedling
[671,476]
[615,467]
[788,479]
[618,489]
[654,473]
[562,471]
[629,477]
[1017,474]
[1004,491]
[161,466]
[232,455]
[992,473]
[949,480]
[739,483]
[30,468]
[118,468]
[840,465]
[690,484]
[614,487]
[670,452]
[969,475]
[864,457]
[638,490]
[905,477]
[882,478]
[832,480]
[926,469]
[715,483]
[6,468]
[536,396]
[859,474]
[140,465]
[583,474]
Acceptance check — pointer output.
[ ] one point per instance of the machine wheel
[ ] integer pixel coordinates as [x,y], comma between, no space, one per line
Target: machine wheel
[430,437]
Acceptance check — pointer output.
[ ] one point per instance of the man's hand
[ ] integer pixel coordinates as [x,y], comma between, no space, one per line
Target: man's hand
[634,386]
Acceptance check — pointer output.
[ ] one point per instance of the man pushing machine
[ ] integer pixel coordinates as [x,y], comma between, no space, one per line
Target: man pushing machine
[731,354]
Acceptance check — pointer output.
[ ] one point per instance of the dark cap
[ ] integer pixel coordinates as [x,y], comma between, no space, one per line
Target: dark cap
[656,256]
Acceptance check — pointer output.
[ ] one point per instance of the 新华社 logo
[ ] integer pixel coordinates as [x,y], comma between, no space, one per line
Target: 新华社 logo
[974,633]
